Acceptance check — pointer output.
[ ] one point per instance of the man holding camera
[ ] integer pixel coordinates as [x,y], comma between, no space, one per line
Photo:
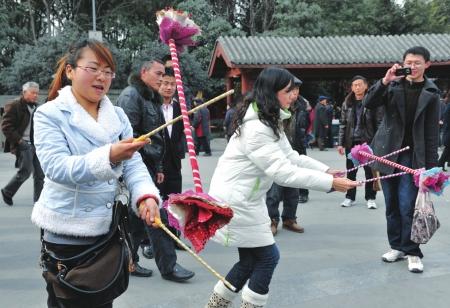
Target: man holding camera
[411,119]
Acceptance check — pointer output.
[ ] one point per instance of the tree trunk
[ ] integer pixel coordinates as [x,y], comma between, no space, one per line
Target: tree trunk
[33,30]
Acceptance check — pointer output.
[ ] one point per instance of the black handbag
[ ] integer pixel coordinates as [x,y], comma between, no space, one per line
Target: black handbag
[97,275]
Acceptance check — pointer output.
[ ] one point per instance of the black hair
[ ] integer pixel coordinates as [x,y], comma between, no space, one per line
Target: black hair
[359,77]
[269,82]
[166,58]
[169,72]
[418,50]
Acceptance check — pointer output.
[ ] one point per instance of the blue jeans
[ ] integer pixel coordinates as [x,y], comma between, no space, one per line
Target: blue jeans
[288,195]
[400,195]
[256,265]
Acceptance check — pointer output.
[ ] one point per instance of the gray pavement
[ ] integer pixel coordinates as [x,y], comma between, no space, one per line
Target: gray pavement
[335,263]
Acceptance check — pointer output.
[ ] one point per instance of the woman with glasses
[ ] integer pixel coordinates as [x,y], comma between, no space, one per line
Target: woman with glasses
[84,145]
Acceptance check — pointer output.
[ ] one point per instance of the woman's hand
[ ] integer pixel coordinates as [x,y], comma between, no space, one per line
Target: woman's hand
[149,212]
[336,173]
[344,184]
[125,149]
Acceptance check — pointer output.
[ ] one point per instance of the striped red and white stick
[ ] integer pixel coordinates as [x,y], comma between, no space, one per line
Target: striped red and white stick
[388,162]
[382,177]
[186,122]
[372,161]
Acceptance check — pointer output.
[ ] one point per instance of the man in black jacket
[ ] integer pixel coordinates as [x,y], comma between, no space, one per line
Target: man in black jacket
[17,126]
[142,104]
[295,129]
[411,119]
[357,125]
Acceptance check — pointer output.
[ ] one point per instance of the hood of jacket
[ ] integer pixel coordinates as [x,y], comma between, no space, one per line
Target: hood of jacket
[252,113]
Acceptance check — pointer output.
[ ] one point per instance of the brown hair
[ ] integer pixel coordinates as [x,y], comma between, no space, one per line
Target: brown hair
[74,53]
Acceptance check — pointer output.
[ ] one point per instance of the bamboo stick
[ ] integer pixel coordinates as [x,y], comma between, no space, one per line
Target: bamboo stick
[196,256]
[211,101]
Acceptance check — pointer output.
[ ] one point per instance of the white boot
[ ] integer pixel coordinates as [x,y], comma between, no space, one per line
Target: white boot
[222,297]
[252,299]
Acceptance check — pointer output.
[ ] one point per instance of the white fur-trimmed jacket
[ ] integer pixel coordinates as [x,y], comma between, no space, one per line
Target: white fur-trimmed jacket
[80,183]
[245,172]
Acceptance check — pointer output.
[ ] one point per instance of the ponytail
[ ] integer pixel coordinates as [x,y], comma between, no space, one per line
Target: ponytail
[60,79]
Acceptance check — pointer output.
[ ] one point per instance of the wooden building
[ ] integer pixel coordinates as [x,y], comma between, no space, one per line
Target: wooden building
[240,59]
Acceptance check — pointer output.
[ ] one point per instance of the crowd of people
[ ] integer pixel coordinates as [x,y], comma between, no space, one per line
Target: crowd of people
[79,144]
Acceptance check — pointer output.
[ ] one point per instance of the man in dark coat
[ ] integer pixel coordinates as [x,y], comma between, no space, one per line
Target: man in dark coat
[411,119]
[202,128]
[17,126]
[142,104]
[357,125]
[295,129]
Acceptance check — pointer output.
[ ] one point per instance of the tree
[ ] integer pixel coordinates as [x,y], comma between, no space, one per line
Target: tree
[296,18]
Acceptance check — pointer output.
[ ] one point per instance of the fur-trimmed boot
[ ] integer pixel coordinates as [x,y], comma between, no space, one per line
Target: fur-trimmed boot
[252,299]
[222,297]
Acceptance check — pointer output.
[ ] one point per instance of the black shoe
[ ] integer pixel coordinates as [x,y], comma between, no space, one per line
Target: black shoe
[303,199]
[6,199]
[179,274]
[207,154]
[140,271]
[147,251]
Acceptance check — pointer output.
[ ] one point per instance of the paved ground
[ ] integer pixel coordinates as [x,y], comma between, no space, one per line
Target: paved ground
[335,263]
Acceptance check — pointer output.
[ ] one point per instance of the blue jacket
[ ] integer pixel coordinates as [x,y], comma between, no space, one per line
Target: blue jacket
[80,183]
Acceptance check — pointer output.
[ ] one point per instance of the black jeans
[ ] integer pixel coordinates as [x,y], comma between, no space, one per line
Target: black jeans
[202,142]
[255,265]
[28,163]
[288,195]
[302,191]
[400,195]
[351,193]
[65,251]
[163,245]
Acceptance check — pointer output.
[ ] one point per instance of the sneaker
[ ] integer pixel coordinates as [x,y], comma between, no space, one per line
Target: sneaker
[371,205]
[347,202]
[415,265]
[393,255]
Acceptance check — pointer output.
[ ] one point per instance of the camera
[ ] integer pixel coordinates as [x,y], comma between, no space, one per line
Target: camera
[404,71]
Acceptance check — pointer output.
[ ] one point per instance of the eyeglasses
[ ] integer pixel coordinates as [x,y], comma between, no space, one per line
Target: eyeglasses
[96,72]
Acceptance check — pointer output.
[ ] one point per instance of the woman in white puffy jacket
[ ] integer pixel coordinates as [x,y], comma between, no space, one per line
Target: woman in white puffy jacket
[257,155]
[77,137]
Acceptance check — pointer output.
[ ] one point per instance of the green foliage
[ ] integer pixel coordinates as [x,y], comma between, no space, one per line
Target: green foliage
[197,58]
[37,62]
[34,34]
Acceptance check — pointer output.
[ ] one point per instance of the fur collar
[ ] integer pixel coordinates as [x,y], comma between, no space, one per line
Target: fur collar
[135,81]
[104,130]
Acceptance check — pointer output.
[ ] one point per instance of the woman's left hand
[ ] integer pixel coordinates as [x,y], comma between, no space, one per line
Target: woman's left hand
[149,212]
[336,173]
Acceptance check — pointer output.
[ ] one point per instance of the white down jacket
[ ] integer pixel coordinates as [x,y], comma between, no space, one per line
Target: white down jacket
[245,172]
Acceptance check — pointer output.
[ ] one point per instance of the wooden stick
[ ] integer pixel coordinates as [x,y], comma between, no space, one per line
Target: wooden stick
[196,256]
[211,101]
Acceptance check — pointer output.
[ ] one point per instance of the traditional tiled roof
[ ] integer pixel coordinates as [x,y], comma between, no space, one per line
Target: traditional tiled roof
[334,50]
